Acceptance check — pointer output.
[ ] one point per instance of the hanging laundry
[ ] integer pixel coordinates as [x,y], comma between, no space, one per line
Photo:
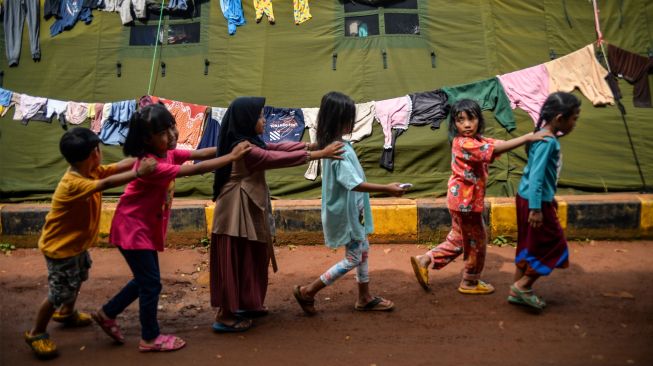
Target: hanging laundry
[635,69]
[52,8]
[57,107]
[283,124]
[77,113]
[111,6]
[264,7]
[190,121]
[116,125]
[429,107]
[126,7]
[27,106]
[70,12]
[98,113]
[301,12]
[5,97]
[15,12]
[489,94]
[527,89]
[178,5]
[212,129]
[392,114]
[581,70]
[233,12]
[362,129]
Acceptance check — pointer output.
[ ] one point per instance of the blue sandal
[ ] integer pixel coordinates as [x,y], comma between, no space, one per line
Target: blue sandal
[527,297]
[220,327]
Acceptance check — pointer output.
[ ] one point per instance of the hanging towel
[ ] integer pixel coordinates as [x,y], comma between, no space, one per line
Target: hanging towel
[581,70]
[634,69]
[527,89]
[233,12]
[283,124]
[429,107]
[489,94]
[190,121]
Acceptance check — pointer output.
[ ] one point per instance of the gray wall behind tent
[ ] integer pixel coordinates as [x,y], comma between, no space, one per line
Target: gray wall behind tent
[291,65]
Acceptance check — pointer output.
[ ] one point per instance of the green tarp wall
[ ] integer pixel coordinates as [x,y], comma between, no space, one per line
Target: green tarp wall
[292,66]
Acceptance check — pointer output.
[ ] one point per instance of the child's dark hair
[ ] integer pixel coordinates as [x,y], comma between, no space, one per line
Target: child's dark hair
[145,123]
[77,144]
[336,117]
[558,103]
[472,109]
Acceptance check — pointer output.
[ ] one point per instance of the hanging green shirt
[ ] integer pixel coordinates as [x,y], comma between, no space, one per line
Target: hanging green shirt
[489,94]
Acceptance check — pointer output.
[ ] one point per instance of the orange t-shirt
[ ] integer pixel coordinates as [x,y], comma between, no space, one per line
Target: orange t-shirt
[73,223]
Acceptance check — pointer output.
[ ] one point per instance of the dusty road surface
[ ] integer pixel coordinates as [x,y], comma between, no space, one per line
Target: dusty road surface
[600,313]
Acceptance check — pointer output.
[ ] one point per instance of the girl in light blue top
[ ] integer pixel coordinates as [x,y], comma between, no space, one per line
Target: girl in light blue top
[541,242]
[346,213]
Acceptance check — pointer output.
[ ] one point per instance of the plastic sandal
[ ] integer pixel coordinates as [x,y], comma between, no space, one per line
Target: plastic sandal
[76,319]
[482,288]
[219,327]
[421,273]
[528,297]
[308,305]
[162,343]
[110,327]
[375,305]
[518,301]
[41,344]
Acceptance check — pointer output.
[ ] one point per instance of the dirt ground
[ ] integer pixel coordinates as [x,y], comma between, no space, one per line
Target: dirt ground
[600,313]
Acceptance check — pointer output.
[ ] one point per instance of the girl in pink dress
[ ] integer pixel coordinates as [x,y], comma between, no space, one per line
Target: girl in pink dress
[140,222]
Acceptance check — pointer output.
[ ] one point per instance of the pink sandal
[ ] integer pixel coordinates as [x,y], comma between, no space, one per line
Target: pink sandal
[110,327]
[162,343]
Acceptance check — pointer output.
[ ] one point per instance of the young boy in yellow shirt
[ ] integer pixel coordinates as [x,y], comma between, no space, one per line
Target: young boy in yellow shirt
[72,226]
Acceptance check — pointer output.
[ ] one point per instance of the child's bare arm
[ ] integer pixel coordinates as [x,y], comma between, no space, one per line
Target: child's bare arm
[146,167]
[206,166]
[203,154]
[125,164]
[501,147]
[392,189]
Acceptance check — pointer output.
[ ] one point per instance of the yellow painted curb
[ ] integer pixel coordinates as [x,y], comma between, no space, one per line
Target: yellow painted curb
[503,218]
[562,213]
[208,212]
[395,219]
[646,213]
[106,216]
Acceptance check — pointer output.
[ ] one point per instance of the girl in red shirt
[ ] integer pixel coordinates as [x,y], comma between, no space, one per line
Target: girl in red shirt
[471,154]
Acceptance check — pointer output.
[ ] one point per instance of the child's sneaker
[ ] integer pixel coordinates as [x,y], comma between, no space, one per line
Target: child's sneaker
[41,344]
[76,319]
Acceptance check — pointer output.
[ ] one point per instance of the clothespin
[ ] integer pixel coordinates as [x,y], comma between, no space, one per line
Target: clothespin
[433,59]
[163,69]
[552,54]
[334,58]
[206,66]
[118,69]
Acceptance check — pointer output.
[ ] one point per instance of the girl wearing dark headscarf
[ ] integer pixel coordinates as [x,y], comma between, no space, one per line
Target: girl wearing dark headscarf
[241,237]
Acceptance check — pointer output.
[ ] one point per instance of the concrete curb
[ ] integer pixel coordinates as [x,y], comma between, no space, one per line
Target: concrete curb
[601,216]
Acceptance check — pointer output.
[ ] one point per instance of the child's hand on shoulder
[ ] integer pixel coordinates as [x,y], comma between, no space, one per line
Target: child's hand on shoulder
[146,167]
[540,135]
[240,150]
[395,190]
[333,151]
